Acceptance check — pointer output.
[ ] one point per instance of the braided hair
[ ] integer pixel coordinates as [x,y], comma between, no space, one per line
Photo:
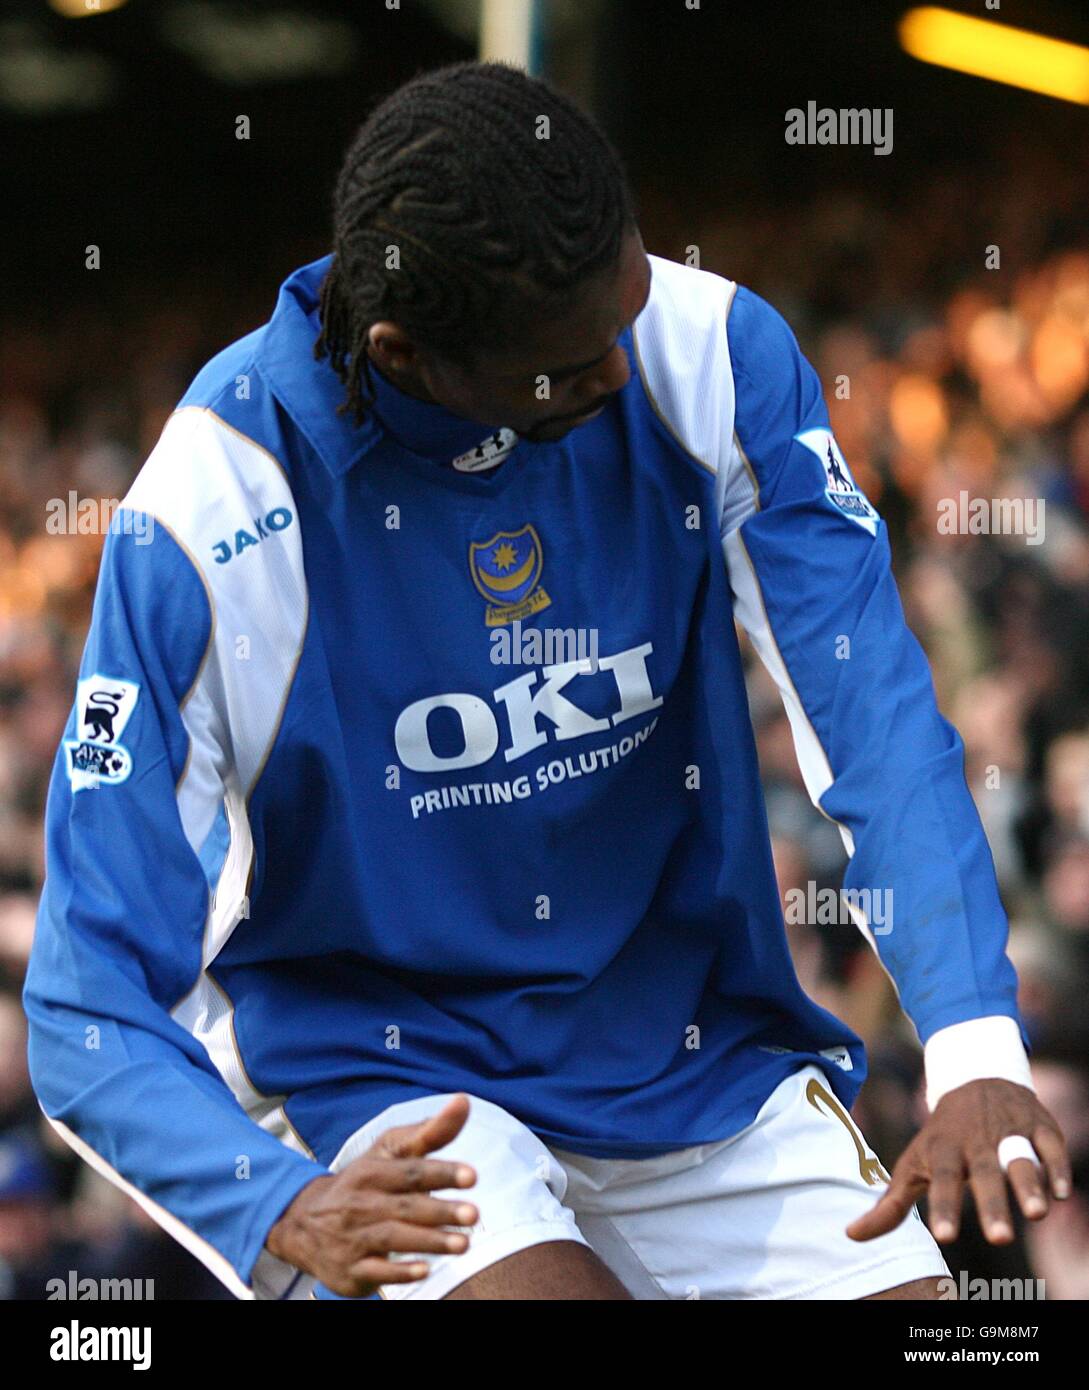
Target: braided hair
[488,221]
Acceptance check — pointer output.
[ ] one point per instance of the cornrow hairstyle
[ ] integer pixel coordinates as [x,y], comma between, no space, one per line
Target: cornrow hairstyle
[458,212]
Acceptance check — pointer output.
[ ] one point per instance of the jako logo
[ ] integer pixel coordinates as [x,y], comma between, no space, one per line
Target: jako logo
[524,704]
[277,520]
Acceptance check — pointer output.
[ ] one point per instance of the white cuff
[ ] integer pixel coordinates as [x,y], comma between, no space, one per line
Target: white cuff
[979,1049]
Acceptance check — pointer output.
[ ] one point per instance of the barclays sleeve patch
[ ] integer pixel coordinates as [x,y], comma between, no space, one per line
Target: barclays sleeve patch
[96,756]
[841,489]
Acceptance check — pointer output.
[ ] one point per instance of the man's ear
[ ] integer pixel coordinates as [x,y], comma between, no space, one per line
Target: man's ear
[390,347]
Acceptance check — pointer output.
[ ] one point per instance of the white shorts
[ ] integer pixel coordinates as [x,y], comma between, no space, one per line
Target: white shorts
[758,1216]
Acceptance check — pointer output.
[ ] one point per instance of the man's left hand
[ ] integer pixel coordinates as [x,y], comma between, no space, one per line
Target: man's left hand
[958,1144]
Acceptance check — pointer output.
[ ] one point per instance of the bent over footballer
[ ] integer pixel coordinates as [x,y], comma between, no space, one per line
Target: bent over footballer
[371,960]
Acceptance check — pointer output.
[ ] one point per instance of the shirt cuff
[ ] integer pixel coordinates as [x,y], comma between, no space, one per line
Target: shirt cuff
[980,1049]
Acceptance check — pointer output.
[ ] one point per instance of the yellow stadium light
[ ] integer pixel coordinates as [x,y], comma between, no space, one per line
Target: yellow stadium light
[80,9]
[1017,57]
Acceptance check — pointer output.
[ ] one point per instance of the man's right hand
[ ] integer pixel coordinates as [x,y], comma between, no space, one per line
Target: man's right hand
[343,1227]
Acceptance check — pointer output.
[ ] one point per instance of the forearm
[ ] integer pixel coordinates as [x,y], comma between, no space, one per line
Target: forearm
[144,1115]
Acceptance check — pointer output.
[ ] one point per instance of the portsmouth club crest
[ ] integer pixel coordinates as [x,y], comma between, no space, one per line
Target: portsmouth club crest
[96,756]
[841,490]
[507,571]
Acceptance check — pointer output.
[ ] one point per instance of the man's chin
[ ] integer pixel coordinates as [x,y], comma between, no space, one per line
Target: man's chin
[550,430]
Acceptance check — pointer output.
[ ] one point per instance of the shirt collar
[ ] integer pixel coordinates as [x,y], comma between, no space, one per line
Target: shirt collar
[424,427]
[310,390]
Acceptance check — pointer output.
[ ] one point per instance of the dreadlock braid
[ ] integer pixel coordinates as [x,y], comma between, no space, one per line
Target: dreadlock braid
[489,221]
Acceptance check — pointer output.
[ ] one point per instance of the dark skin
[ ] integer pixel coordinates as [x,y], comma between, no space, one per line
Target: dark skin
[341,1228]
[958,1145]
[579,354]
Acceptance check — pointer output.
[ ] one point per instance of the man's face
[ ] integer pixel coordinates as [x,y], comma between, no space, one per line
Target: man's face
[577,356]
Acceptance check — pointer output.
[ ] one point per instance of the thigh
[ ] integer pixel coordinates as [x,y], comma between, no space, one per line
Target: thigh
[519,1193]
[759,1216]
[558,1270]
[917,1289]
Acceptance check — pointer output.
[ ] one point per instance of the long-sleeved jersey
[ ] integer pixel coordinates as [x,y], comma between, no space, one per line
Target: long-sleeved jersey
[394,771]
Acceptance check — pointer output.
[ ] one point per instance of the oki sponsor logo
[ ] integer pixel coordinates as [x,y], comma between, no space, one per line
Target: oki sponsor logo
[536,708]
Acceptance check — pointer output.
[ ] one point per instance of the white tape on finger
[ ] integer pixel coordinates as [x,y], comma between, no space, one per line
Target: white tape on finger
[1015,1146]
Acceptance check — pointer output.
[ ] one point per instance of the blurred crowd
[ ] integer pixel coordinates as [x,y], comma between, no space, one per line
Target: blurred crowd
[84,397]
[953,340]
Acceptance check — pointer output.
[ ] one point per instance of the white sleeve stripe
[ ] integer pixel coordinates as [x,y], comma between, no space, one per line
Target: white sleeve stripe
[206,1253]
[234,710]
[813,761]
[656,407]
[683,358]
[752,614]
[271,1278]
[207,1012]
[741,492]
